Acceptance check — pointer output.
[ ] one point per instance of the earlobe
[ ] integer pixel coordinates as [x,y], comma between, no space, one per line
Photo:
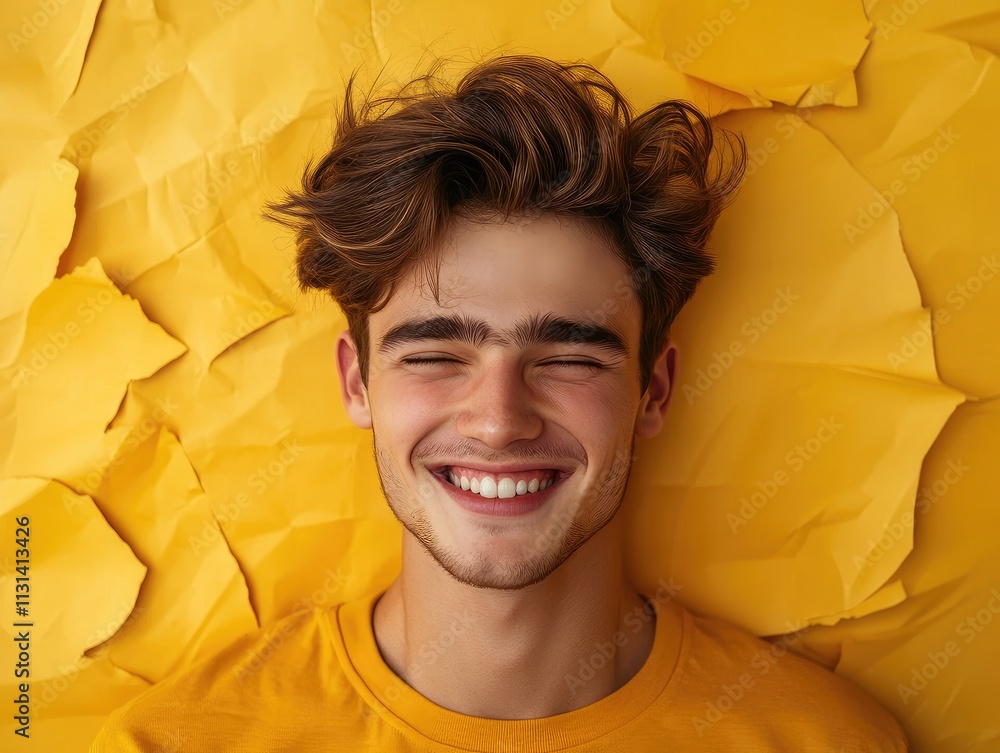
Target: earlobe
[352,389]
[653,405]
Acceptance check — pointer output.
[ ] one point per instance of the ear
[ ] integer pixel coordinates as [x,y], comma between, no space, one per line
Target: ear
[653,405]
[352,389]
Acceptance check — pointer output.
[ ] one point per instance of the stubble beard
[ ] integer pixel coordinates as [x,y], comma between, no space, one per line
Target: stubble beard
[553,545]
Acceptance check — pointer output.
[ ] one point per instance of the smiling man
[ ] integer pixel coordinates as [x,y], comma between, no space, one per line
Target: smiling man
[504,420]
[510,255]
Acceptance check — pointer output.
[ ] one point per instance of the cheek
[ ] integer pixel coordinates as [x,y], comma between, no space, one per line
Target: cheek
[602,417]
[596,414]
[408,411]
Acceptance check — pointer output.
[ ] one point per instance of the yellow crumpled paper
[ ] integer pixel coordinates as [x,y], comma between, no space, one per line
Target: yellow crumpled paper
[168,413]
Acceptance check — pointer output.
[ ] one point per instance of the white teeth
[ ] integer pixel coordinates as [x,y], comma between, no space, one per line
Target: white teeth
[506,488]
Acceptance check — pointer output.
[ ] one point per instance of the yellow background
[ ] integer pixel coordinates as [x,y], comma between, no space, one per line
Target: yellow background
[169,412]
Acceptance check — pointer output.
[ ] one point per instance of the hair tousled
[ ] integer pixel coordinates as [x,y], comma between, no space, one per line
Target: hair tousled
[518,135]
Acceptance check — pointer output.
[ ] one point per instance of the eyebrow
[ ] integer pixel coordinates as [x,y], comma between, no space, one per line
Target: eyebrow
[546,329]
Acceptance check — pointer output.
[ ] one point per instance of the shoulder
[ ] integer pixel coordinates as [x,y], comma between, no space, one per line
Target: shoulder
[744,679]
[199,708]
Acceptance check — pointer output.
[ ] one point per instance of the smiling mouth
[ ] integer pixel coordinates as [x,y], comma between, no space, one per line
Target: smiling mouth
[501,485]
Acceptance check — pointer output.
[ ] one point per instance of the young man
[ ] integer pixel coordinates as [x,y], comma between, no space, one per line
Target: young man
[510,256]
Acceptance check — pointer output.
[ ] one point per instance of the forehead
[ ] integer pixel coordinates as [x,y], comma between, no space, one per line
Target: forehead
[504,273]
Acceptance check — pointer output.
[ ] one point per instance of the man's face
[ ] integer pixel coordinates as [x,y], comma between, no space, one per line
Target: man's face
[513,395]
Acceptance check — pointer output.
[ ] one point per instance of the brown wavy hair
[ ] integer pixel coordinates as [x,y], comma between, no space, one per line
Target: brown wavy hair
[518,135]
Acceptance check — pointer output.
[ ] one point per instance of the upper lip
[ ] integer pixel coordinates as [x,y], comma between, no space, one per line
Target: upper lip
[506,468]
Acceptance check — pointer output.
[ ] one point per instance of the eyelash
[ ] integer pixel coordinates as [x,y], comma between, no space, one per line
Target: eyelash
[587,364]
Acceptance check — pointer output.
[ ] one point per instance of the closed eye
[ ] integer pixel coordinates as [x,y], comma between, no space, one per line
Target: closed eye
[585,364]
[415,361]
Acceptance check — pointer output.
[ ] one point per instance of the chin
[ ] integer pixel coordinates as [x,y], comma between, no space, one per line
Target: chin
[505,566]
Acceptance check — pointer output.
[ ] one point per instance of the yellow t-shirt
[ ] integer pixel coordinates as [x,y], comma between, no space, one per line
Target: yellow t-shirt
[315,681]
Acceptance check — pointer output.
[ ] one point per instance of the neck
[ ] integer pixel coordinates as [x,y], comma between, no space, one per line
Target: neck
[521,654]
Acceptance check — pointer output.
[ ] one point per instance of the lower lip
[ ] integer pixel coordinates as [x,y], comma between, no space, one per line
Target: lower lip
[512,507]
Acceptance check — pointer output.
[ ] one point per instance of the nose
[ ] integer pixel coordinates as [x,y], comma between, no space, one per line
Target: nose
[499,407]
